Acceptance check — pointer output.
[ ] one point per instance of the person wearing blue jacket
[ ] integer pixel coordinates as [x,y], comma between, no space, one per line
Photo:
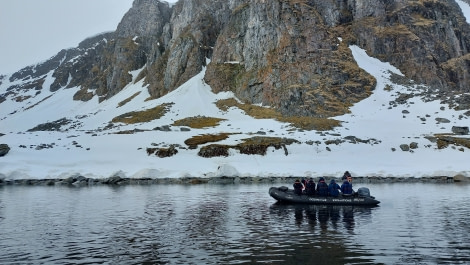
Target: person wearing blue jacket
[333,188]
[346,188]
[322,188]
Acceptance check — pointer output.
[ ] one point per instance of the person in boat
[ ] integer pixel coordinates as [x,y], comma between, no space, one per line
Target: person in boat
[298,187]
[333,188]
[346,188]
[310,187]
[304,182]
[346,176]
[322,187]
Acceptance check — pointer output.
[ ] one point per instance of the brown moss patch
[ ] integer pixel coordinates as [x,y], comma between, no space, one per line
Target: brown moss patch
[257,112]
[257,145]
[83,95]
[143,116]
[198,122]
[444,140]
[127,100]
[21,98]
[419,20]
[214,150]
[166,152]
[42,100]
[194,141]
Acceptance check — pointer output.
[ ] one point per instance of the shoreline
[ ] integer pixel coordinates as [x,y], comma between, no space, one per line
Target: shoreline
[116,180]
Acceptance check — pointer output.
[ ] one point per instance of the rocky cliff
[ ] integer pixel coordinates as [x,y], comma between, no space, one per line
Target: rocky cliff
[289,54]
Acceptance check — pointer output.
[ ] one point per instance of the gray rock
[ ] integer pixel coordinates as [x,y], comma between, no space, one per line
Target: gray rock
[4,149]
[69,180]
[442,120]
[164,128]
[81,178]
[460,130]
[405,147]
[113,180]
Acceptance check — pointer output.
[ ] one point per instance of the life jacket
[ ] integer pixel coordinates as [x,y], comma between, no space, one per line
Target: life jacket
[298,187]
[333,189]
[322,188]
[310,187]
[346,188]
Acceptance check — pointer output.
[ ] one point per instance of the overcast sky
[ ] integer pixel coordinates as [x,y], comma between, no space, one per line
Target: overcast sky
[32,31]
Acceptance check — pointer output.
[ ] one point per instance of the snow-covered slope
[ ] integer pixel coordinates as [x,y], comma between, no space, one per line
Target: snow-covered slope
[85,147]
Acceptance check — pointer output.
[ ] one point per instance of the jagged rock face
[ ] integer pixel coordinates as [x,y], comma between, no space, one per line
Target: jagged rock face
[283,54]
[428,41]
[187,42]
[289,54]
[146,18]
[102,68]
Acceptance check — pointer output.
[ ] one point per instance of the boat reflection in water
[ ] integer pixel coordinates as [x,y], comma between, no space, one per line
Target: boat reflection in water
[325,232]
[324,216]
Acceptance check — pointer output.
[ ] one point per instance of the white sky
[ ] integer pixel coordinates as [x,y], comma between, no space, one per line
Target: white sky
[32,31]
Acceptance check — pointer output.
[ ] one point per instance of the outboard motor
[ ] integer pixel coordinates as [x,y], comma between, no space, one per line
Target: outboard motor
[363,192]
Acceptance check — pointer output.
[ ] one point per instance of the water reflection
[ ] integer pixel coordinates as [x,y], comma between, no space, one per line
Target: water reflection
[324,216]
[234,224]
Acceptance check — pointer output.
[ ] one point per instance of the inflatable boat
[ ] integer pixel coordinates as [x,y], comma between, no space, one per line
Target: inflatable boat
[361,197]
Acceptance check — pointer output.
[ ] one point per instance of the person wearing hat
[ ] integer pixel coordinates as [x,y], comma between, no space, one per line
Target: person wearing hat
[310,187]
[298,187]
[334,188]
[322,187]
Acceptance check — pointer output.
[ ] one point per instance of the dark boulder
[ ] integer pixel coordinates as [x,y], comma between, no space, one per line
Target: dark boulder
[460,130]
[405,147]
[4,149]
[442,120]
[113,180]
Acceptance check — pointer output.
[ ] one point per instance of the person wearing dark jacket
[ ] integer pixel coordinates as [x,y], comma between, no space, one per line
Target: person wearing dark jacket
[346,176]
[298,187]
[310,187]
[346,188]
[334,188]
[322,187]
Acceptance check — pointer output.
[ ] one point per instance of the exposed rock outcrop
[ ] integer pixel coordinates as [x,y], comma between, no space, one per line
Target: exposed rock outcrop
[4,149]
[291,55]
[461,130]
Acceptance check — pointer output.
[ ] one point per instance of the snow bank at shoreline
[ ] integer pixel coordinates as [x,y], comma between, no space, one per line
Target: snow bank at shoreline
[81,181]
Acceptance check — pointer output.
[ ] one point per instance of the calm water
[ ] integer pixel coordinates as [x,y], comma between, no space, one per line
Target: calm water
[232,224]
